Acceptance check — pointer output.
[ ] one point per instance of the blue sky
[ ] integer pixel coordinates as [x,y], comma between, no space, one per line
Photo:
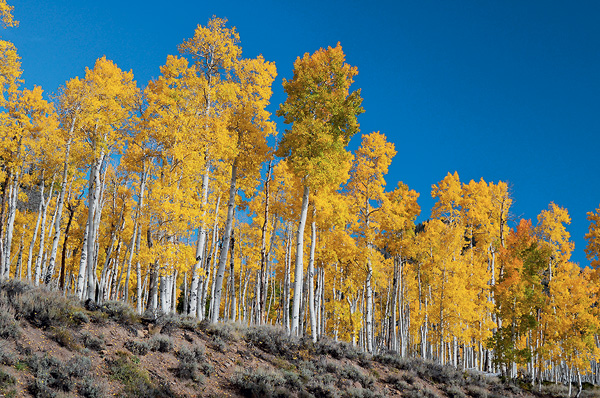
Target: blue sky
[504,90]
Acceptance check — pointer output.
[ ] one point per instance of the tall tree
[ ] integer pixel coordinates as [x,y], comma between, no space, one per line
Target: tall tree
[366,188]
[323,115]
[250,124]
[214,51]
[110,95]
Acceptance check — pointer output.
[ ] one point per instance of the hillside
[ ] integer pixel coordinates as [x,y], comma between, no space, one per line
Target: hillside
[52,346]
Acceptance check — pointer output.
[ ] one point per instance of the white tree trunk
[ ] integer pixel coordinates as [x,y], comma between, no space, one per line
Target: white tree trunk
[35,232]
[138,265]
[311,277]
[369,309]
[59,208]
[193,304]
[12,211]
[94,192]
[81,276]
[225,247]
[38,259]
[299,270]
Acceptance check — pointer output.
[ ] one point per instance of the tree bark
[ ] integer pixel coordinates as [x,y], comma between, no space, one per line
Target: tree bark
[299,266]
[12,211]
[94,192]
[193,303]
[225,247]
[261,291]
[59,208]
[35,232]
[311,276]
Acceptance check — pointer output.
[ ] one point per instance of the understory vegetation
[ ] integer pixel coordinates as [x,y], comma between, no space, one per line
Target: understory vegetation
[106,354]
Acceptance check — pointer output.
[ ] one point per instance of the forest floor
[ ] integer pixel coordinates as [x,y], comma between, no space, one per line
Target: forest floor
[51,346]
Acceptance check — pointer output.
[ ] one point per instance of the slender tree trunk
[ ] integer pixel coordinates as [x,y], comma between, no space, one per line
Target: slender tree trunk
[225,248]
[138,265]
[5,192]
[59,208]
[369,308]
[38,259]
[95,187]
[201,311]
[287,279]
[18,271]
[299,266]
[311,276]
[63,262]
[193,304]
[12,211]
[394,315]
[82,274]
[232,273]
[261,291]
[129,262]
[35,231]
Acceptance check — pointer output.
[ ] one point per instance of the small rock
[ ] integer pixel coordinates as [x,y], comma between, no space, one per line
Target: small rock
[140,333]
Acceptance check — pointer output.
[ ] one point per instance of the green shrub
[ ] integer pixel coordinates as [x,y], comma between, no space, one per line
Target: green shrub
[274,340]
[7,357]
[90,389]
[258,383]
[9,328]
[350,372]
[120,312]
[395,361]
[64,338]
[13,288]
[336,349]
[137,347]
[227,331]
[360,393]
[161,343]
[6,380]
[218,344]
[49,374]
[79,366]
[454,392]
[555,390]
[318,388]
[80,317]
[126,371]
[477,392]
[189,323]
[188,365]
[424,392]
[136,381]
[397,382]
[92,342]
[44,308]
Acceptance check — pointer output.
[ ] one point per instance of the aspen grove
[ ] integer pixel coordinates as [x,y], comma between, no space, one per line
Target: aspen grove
[170,198]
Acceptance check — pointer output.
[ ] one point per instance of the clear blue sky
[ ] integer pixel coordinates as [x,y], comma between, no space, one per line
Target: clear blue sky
[504,90]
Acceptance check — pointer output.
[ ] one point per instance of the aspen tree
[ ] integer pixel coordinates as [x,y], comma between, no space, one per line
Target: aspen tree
[366,188]
[323,114]
[214,50]
[69,106]
[397,219]
[26,131]
[105,114]
[250,124]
